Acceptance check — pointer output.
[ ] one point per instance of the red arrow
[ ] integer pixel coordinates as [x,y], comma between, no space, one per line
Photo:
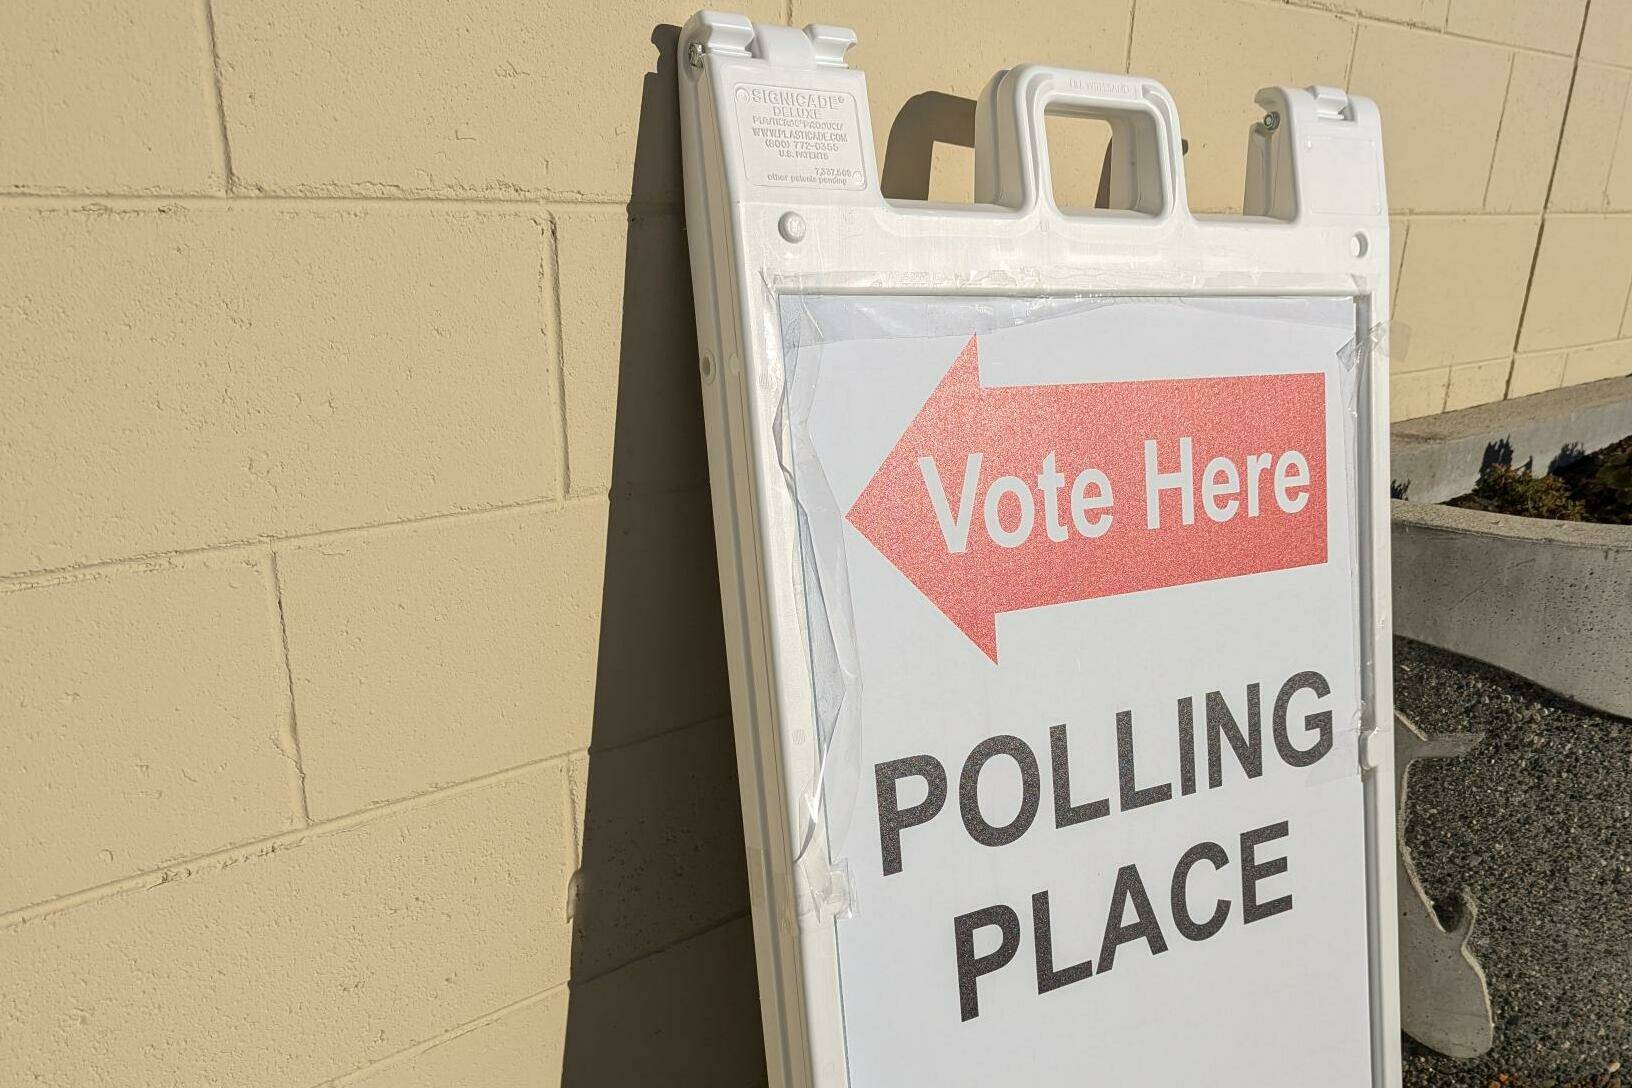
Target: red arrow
[949,551]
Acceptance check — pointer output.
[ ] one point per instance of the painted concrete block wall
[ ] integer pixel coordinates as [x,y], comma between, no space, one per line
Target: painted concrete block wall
[363,709]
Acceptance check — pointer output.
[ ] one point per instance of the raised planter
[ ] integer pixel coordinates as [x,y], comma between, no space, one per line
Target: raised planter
[1439,457]
[1548,600]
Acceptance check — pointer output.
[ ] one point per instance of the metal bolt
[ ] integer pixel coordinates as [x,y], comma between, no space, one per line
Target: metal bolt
[1272,121]
[792,227]
[694,54]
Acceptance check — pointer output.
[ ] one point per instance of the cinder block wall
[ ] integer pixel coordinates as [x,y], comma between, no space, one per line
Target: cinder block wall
[363,714]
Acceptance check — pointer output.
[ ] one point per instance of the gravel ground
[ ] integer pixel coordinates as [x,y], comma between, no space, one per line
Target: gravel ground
[1536,824]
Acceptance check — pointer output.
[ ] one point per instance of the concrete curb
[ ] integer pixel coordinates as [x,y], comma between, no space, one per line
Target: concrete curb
[1548,600]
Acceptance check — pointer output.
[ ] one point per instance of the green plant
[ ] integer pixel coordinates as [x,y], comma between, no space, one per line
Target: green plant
[1603,483]
[1614,474]
[1504,489]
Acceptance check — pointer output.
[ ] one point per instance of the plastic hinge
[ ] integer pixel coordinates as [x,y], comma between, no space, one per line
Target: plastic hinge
[1331,104]
[830,43]
[816,46]
[725,33]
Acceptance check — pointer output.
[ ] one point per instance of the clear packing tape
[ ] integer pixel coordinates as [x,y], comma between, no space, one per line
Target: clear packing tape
[815,313]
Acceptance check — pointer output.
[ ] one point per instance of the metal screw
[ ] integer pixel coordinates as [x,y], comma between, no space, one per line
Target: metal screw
[1272,121]
[694,54]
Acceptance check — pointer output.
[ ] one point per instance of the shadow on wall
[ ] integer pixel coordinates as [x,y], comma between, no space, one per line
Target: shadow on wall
[935,117]
[663,983]
[925,120]
[1500,452]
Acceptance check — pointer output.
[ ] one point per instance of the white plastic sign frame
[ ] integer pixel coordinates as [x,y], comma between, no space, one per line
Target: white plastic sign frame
[787,224]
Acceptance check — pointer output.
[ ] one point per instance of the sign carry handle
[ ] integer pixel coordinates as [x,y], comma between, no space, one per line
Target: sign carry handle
[1011,141]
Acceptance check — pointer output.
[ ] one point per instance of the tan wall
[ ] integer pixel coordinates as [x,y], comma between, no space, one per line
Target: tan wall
[361,681]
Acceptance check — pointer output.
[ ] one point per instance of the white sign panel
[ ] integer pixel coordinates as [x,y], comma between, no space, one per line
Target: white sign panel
[1096,576]
[1053,556]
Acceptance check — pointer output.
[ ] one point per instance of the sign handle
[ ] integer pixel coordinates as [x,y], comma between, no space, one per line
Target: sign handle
[1011,142]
